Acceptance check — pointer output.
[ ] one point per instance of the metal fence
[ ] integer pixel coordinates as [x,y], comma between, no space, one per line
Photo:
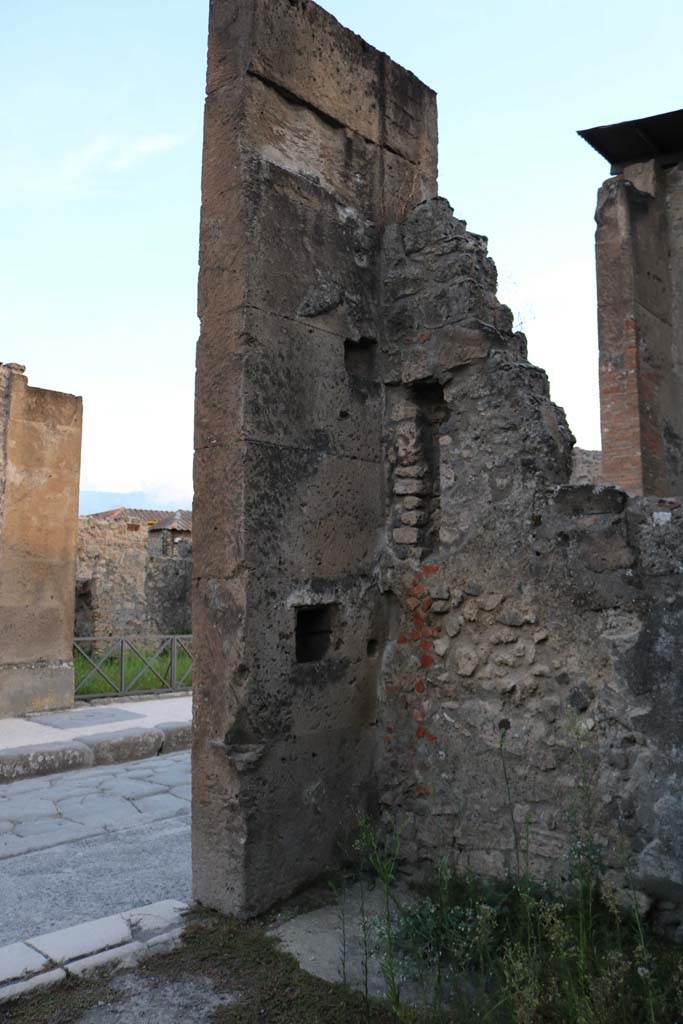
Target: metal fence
[117,665]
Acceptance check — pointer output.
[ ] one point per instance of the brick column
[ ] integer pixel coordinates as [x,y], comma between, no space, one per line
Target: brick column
[641,375]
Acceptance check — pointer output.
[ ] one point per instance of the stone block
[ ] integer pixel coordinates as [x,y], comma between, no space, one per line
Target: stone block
[124,745]
[120,956]
[83,939]
[155,918]
[23,762]
[38,981]
[17,960]
[257,393]
[302,50]
[320,781]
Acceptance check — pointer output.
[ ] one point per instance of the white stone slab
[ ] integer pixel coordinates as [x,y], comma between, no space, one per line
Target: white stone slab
[83,939]
[145,922]
[20,988]
[18,959]
[120,956]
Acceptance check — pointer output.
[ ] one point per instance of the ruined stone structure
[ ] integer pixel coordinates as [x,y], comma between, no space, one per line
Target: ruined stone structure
[586,466]
[40,454]
[134,573]
[639,248]
[393,573]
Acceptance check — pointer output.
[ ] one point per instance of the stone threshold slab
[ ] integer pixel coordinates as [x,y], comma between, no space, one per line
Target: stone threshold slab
[117,941]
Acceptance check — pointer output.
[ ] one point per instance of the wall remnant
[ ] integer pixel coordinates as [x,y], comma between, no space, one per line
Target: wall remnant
[40,452]
[134,573]
[639,249]
[586,466]
[392,568]
[312,141]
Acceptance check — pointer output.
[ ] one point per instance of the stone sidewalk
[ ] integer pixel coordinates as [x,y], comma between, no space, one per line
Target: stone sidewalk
[105,732]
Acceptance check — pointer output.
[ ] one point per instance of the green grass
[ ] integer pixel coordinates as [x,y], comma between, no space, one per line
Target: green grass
[132,665]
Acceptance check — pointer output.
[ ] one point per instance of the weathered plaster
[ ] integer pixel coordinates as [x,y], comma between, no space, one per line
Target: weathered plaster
[40,449]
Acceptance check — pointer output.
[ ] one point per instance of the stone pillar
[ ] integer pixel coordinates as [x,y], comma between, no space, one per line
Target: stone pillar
[312,141]
[639,248]
[40,454]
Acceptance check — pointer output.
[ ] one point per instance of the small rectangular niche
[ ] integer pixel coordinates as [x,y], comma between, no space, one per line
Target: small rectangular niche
[314,631]
[360,358]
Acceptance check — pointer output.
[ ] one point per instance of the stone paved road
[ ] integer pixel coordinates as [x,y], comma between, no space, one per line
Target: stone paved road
[88,843]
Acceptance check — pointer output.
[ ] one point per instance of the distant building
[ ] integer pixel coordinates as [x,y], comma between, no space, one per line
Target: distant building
[134,573]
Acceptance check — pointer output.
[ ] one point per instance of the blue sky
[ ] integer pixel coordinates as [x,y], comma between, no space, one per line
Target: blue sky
[99,188]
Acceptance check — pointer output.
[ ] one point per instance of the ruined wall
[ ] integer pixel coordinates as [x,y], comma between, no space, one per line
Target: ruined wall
[312,140]
[127,584]
[639,247]
[556,610]
[40,450]
[586,466]
[393,572]
[110,580]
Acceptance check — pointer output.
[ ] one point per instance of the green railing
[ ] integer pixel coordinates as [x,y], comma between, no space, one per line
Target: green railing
[119,665]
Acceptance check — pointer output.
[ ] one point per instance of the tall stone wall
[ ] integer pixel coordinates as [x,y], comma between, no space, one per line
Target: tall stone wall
[394,574]
[312,141]
[639,247]
[40,450]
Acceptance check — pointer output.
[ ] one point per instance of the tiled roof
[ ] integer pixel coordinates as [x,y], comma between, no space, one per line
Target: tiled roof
[179,520]
[160,519]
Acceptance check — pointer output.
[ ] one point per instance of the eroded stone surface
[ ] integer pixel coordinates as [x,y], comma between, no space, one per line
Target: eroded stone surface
[398,578]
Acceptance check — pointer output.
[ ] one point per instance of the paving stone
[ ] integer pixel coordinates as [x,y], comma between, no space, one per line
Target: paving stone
[131,789]
[174,777]
[183,792]
[20,988]
[89,779]
[162,805]
[19,959]
[24,786]
[83,939]
[11,845]
[50,826]
[98,809]
[34,843]
[26,809]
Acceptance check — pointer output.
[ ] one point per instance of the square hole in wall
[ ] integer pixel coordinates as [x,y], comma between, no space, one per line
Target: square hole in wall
[314,631]
[360,358]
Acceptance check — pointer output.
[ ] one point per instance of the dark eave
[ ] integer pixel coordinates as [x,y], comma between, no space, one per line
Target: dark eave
[633,141]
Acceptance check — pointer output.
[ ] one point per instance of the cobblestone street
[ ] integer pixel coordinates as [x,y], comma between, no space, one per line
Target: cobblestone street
[92,842]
